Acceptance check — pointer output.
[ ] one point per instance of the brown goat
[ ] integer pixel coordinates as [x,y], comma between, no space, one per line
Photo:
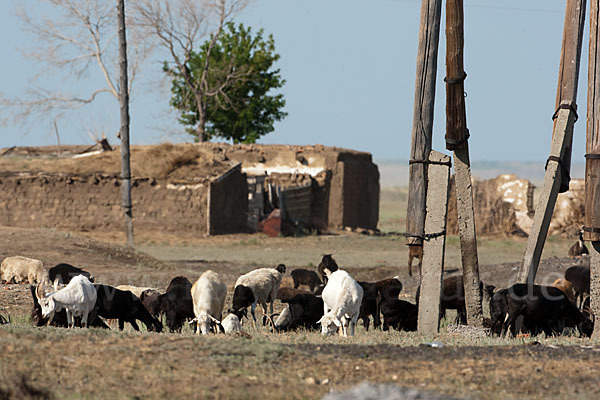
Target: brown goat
[566,287]
[415,251]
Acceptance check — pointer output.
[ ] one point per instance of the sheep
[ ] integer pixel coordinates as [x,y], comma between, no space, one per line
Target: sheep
[369,306]
[342,298]
[303,310]
[65,272]
[415,251]
[231,323]
[149,299]
[453,297]
[327,263]
[566,287]
[259,286]
[287,293]
[305,277]
[137,290]
[60,317]
[78,298]
[125,306]
[20,269]
[176,303]
[579,248]
[208,297]
[399,314]
[579,276]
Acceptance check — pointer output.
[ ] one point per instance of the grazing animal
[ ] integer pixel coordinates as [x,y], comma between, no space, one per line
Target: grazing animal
[566,287]
[579,276]
[65,272]
[302,311]
[60,317]
[231,323]
[327,264]
[369,305]
[415,251]
[137,290]
[78,298]
[259,286]
[342,298]
[176,303]
[579,248]
[399,314]
[20,269]
[306,277]
[499,312]
[544,309]
[208,297]
[453,297]
[287,293]
[113,303]
[149,299]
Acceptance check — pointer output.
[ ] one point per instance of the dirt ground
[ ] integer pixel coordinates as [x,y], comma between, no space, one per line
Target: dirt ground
[111,364]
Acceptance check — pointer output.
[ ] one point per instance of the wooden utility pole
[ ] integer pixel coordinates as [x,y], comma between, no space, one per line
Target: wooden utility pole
[124,101]
[438,175]
[422,128]
[457,136]
[558,165]
[591,229]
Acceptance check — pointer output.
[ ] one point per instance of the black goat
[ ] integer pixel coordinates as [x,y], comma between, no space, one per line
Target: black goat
[286,293]
[65,272]
[60,317]
[544,309]
[399,314]
[579,276]
[302,311]
[149,299]
[113,303]
[176,303]
[327,264]
[369,305]
[306,277]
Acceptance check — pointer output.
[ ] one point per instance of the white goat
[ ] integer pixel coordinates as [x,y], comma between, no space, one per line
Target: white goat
[208,298]
[22,269]
[231,323]
[259,286]
[342,297]
[78,298]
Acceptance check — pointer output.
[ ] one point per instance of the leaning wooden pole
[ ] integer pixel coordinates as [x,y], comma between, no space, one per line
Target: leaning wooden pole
[124,133]
[557,178]
[422,128]
[591,229]
[457,136]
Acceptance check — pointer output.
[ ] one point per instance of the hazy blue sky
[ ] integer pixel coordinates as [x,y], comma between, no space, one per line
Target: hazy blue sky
[350,71]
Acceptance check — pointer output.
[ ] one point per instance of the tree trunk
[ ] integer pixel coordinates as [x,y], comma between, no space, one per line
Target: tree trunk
[124,101]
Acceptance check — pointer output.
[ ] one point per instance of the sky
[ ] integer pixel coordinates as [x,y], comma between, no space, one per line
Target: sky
[349,67]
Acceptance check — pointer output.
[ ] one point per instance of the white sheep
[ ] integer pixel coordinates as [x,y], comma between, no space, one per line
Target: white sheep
[78,298]
[231,323]
[259,286]
[342,297]
[208,298]
[137,290]
[20,269]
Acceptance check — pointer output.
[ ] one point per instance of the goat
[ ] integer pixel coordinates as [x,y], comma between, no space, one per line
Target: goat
[327,264]
[60,317]
[415,251]
[176,303]
[579,276]
[453,297]
[20,269]
[302,311]
[231,323]
[286,293]
[399,314]
[78,298]
[544,308]
[342,298]
[259,286]
[499,311]
[125,306]
[306,277]
[65,272]
[149,299]
[137,290]
[579,248]
[369,305]
[208,297]
[566,287]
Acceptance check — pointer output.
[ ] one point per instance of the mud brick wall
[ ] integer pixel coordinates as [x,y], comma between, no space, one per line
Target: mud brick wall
[94,203]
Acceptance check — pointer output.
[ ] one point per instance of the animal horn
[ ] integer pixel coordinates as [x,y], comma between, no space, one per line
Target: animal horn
[213,319]
[39,291]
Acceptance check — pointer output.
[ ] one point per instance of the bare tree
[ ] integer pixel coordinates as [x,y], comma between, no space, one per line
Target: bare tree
[179,26]
[81,41]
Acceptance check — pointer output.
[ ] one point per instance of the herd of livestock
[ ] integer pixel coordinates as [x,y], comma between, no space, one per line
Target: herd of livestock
[334,301]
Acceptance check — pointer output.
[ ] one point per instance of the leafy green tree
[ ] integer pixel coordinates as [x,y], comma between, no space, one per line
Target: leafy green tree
[224,89]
